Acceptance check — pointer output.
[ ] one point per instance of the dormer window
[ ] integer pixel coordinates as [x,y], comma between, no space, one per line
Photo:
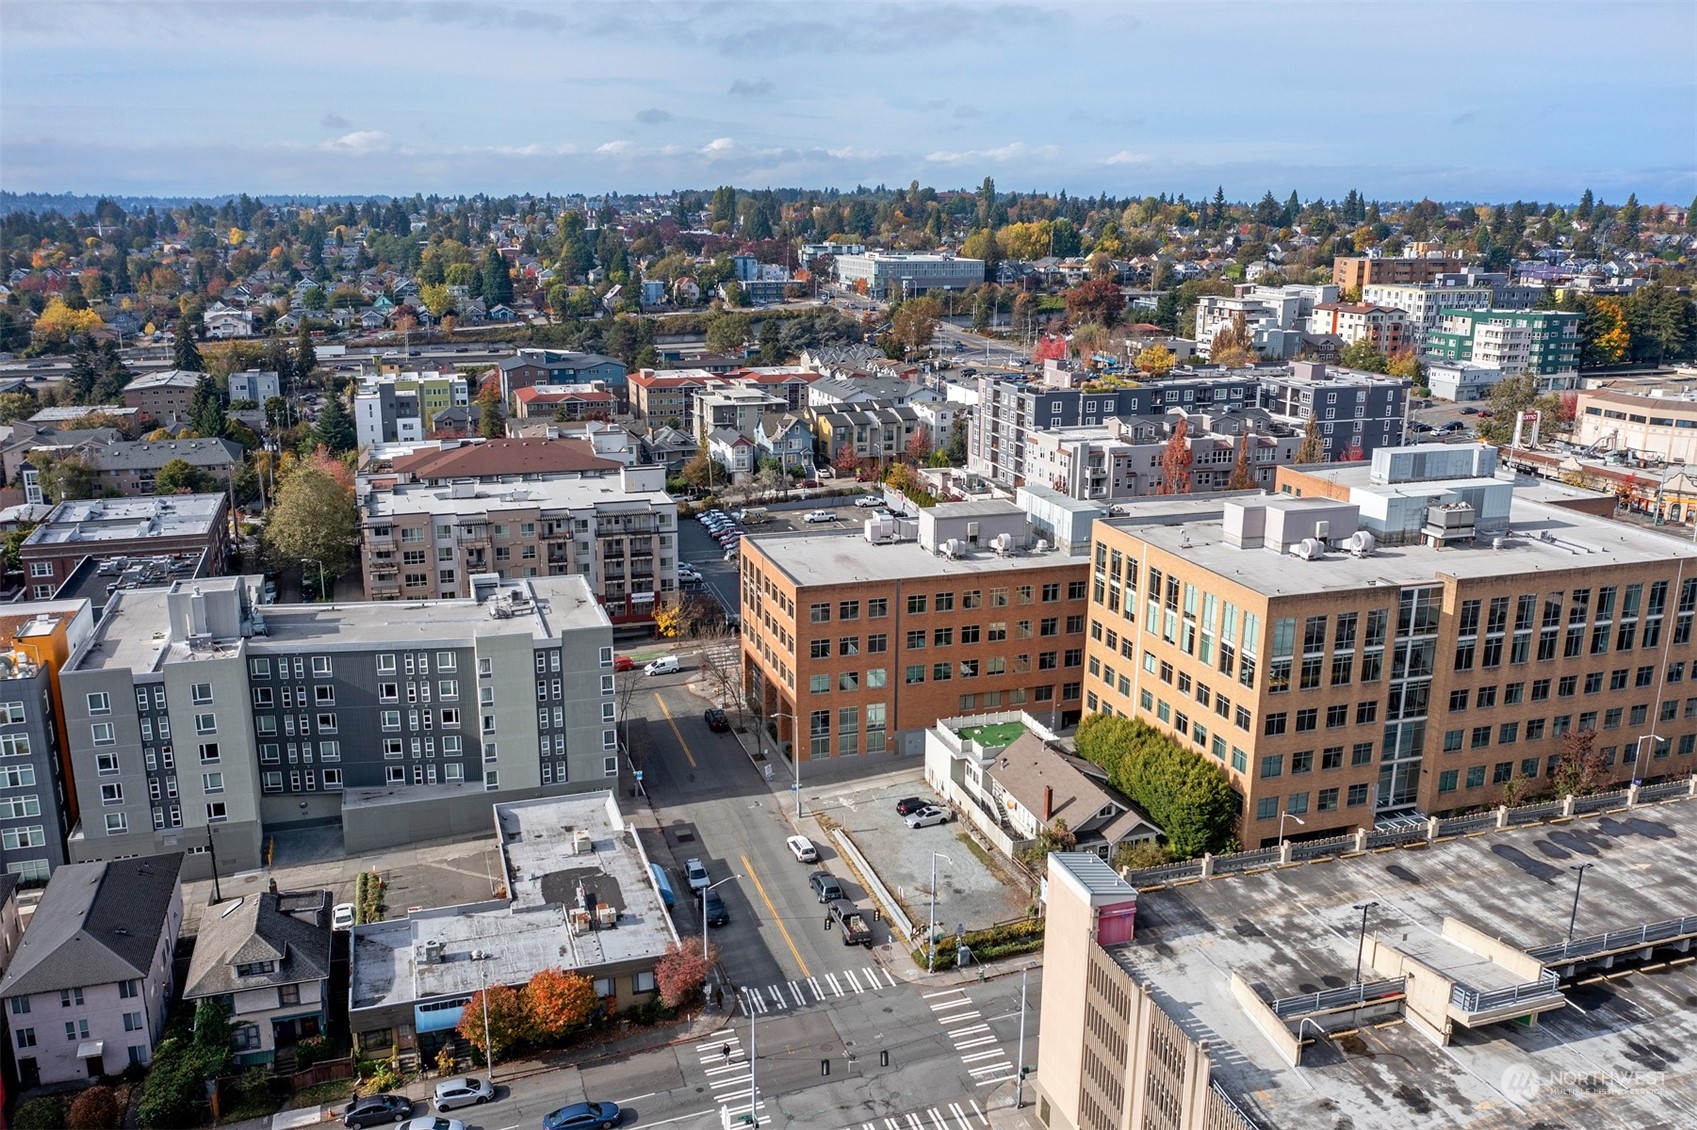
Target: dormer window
[255,968]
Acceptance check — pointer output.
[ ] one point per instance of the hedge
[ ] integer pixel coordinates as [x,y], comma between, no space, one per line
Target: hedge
[990,943]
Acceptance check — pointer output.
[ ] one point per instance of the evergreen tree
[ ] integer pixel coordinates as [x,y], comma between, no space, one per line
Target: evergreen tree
[208,408]
[184,355]
[1219,212]
[1587,204]
[335,428]
[497,283]
[1293,209]
[306,357]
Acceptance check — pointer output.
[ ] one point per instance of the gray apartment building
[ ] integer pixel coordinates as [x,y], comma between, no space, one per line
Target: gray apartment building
[1009,410]
[1358,412]
[425,541]
[36,802]
[257,385]
[197,719]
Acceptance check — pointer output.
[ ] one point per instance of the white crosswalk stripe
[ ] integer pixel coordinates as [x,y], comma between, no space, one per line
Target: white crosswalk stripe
[776,997]
[950,1116]
[835,988]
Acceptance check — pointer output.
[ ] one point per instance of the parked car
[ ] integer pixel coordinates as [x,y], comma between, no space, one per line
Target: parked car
[928,816]
[665,665]
[716,720]
[802,848]
[623,663]
[582,1116]
[908,805]
[820,516]
[696,872]
[713,910]
[731,554]
[825,886]
[434,1122]
[452,1094]
[375,1110]
[342,916]
[866,501]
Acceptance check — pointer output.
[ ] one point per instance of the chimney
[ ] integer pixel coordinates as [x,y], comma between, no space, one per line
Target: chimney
[1048,802]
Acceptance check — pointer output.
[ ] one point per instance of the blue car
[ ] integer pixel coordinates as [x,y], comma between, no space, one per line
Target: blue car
[582,1116]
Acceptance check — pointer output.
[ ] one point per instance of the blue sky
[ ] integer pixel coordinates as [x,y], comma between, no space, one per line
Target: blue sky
[1482,100]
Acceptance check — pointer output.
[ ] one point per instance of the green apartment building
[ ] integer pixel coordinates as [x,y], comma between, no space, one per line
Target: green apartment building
[1544,343]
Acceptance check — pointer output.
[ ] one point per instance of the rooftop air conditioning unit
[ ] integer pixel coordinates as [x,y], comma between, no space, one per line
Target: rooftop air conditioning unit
[1361,543]
[1309,549]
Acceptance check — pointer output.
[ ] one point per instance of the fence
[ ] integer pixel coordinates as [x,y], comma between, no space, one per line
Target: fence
[1472,1000]
[322,1073]
[1415,832]
[1288,1008]
[1219,1092]
[1580,948]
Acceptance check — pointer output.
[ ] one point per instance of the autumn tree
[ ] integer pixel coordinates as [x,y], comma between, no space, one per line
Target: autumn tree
[437,299]
[58,323]
[919,446]
[555,1002]
[507,1021]
[1312,449]
[697,472]
[95,1109]
[846,462]
[179,476]
[1406,364]
[1232,347]
[1098,300]
[682,971]
[1157,360]
[915,322]
[491,421]
[1579,767]
[1363,355]
[674,619]
[315,517]
[1243,475]
[1176,460]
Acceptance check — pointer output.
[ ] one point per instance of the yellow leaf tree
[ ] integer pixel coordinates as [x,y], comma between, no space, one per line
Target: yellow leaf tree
[1157,360]
[59,323]
[672,620]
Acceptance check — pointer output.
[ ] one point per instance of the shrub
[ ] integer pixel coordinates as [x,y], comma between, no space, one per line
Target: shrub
[95,1109]
[45,1113]
[314,1049]
[991,943]
[681,972]
[1185,795]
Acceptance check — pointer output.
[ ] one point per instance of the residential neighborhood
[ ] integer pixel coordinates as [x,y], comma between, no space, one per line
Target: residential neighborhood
[714,596]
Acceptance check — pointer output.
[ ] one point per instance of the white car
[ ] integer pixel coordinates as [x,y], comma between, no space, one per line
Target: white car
[802,848]
[868,501]
[928,816]
[696,872]
[434,1123]
[454,1093]
[820,516]
[342,916]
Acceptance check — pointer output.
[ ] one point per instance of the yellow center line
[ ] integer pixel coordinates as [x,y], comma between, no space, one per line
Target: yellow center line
[748,868]
[674,723]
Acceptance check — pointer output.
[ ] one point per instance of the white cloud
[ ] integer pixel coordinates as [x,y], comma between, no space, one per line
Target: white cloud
[720,145]
[1127,157]
[360,142]
[1013,151]
[616,148]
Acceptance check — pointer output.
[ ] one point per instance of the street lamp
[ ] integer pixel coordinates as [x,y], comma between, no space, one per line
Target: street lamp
[1361,944]
[704,958]
[483,995]
[320,565]
[795,758]
[1019,1064]
[1283,816]
[931,933]
[1578,869]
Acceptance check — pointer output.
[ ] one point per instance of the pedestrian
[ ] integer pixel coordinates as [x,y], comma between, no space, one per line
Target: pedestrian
[725,1050]
[718,996]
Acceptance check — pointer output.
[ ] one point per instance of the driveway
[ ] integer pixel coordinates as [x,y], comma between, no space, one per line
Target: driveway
[971,889]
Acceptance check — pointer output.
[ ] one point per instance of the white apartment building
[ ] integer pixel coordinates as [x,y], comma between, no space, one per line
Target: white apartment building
[1422,303]
[1275,315]
[899,274]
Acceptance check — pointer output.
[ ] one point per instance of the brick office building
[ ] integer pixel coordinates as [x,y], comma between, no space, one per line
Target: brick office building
[869,644]
[1432,664]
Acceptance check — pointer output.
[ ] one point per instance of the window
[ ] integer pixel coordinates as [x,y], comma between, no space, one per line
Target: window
[321,666]
[819,613]
[1357,795]
[217,812]
[820,649]
[1267,808]
[915,673]
[200,693]
[212,782]
[26,1036]
[112,793]
[916,604]
[98,703]
[206,723]
[877,608]
[209,753]
[1273,765]
[102,732]
[1274,724]
[1447,780]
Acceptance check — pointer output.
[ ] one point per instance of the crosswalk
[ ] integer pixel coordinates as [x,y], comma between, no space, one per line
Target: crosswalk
[725,1063]
[949,1116]
[805,991]
[979,1047]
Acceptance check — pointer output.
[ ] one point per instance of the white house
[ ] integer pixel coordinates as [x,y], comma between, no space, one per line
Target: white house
[268,955]
[732,450]
[223,321]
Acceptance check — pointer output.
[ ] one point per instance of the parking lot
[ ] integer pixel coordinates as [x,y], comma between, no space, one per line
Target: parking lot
[971,889]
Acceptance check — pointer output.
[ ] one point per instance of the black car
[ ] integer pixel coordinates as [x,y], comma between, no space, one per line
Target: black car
[907,806]
[714,910]
[374,1110]
[716,720]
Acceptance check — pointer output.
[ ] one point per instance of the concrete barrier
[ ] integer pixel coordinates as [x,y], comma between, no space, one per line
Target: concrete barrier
[893,909]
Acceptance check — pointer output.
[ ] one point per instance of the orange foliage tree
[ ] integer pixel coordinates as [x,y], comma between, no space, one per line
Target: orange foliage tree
[681,972]
[507,1021]
[1176,460]
[555,1002]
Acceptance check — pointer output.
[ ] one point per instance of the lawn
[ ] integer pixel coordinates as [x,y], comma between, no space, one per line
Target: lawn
[993,737]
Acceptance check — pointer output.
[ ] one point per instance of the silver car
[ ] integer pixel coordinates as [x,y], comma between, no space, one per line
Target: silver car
[451,1094]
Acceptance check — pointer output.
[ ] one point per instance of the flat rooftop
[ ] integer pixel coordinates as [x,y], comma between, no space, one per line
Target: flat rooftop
[841,559]
[128,519]
[532,930]
[136,632]
[542,494]
[1616,1056]
[1545,538]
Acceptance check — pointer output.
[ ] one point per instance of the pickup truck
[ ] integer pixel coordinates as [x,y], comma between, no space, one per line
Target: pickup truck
[854,929]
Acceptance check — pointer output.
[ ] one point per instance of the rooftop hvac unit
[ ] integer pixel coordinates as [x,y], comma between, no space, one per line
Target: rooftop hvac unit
[1361,543]
[579,920]
[606,916]
[1323,529]
[1002,544]
[583,843]
[1309,549]
[1042,545]
[951,548]
[431,952]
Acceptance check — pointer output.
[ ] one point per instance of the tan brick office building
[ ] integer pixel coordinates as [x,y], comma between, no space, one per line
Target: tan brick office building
[1354,272]
[869,644]
[1432,668]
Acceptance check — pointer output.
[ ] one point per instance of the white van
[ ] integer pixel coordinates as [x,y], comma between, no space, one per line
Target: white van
[665,665]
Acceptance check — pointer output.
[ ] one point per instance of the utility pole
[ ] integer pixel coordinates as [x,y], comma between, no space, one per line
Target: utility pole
[753,1087]
[212,850]
[483,995]
[1019,1063]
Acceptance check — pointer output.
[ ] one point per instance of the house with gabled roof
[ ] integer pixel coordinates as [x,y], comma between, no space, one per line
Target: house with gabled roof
[266,958]
[87,991]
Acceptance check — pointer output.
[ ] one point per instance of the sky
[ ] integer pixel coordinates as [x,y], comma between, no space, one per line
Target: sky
[1485,100]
